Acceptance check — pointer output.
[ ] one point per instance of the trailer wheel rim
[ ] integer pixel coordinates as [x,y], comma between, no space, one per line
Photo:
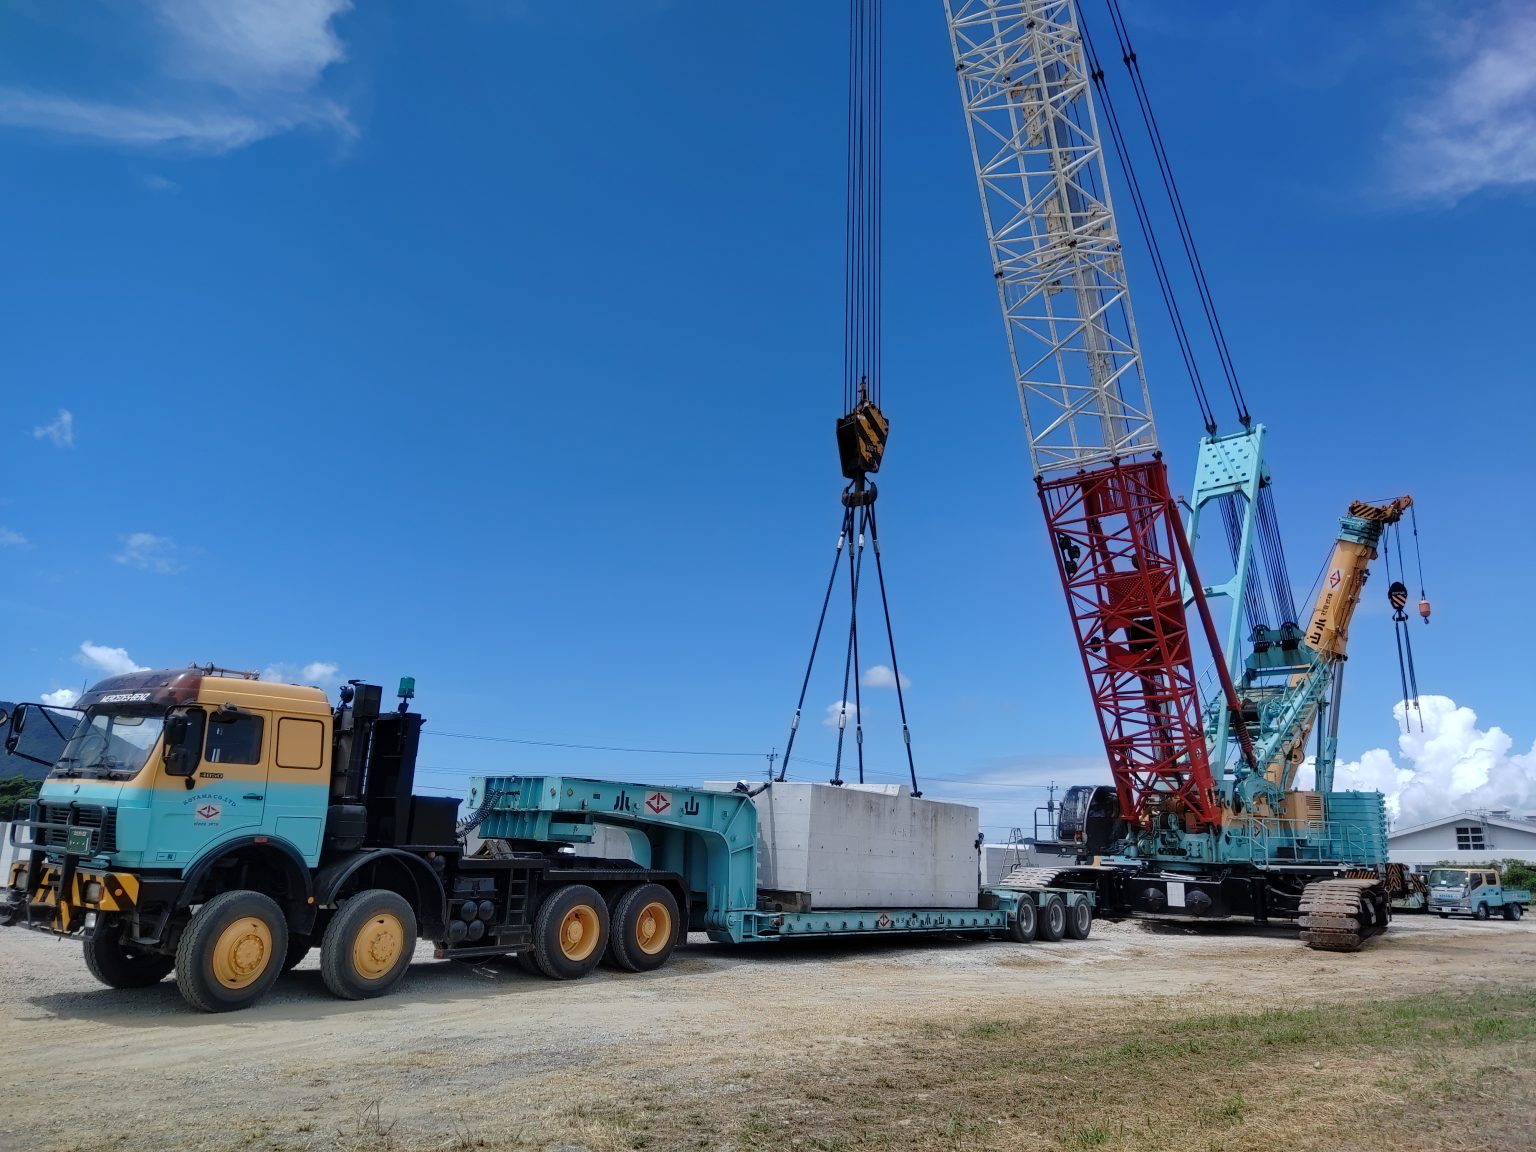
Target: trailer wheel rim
[242,952]
[653,928]
[579,933]
[377,948]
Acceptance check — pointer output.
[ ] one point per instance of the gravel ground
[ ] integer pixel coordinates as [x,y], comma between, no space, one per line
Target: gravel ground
[457,1048]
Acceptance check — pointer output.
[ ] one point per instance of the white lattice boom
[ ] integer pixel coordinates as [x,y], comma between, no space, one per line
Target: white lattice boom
[1055,249]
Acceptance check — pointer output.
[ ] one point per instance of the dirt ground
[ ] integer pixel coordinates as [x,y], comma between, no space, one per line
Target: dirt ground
[814,1045]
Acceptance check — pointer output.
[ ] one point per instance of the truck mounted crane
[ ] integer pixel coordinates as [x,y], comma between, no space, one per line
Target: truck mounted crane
[1203,819]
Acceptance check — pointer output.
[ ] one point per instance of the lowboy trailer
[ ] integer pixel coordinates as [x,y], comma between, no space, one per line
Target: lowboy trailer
[218,826]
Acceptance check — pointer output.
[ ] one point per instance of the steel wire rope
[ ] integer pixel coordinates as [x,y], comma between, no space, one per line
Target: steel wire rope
[1149,234]
[1181,218]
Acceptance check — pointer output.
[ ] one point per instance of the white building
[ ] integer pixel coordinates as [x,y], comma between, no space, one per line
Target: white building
[1465,838]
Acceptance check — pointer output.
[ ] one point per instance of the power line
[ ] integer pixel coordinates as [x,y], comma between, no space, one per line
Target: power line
[584,747]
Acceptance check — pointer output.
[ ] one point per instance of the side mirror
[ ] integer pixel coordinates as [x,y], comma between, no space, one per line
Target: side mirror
[18,719]
[183,743]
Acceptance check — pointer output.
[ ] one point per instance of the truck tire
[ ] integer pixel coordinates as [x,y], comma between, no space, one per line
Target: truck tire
[570,932]
[1053,919]
[1021,925]
[643,929]
[231,952]
[1512,911]
[1080,920]
[368,944]
[298,948]
[1445,915]
[1482,912]
[117,965]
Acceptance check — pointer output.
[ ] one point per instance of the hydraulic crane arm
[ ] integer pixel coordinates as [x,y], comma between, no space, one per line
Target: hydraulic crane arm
[1359,533]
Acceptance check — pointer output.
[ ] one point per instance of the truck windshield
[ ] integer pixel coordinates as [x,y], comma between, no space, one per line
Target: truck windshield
[112,742]
[1447,878]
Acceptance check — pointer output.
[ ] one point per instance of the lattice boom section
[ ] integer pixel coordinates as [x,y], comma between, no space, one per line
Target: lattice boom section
[1055,249]
[1118,561]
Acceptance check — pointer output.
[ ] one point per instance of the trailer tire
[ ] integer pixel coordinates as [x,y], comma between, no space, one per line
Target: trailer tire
[570,932]
[643,930]
[1482,912]
[1021,925]
[1053,919]
[1080,920]
[368,944]
[229,955]
[118,966]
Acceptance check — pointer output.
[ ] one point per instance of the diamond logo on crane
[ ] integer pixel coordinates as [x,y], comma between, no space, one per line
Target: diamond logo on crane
[658,802]
[1335,578]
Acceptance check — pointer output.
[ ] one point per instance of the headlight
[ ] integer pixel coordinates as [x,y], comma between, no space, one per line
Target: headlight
[93,892]
[23,875]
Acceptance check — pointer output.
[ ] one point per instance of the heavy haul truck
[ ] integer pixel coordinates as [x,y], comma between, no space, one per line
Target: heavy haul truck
[220,826]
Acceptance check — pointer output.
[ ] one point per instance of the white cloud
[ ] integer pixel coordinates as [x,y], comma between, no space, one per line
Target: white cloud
[318,672]
[1476,129]
[9,539]
[879,676]
[232,72]
[835,709]
[59,698]
[150,552]
[156,183]
[62,431]
[112,661]
[253,45]
[1450,766]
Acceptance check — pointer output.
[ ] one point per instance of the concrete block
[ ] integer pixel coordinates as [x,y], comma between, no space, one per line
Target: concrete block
[865,846]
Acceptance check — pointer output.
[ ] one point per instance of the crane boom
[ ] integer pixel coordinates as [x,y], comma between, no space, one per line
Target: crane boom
[1060,276]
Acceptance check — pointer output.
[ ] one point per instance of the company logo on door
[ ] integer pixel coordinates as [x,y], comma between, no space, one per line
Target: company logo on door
[207,810]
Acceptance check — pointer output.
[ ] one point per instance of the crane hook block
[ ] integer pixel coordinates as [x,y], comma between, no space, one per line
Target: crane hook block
[1397,596]
[1424,610]
[861,440]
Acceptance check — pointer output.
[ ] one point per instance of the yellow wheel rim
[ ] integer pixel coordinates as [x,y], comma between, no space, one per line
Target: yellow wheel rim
[653,927]
[378,945]
[579,933]
[242,952]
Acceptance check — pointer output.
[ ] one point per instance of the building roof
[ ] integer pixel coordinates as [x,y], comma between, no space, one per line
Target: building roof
[1469,817]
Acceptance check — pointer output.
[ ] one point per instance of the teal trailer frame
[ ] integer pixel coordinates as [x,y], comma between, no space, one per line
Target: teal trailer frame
[709,838]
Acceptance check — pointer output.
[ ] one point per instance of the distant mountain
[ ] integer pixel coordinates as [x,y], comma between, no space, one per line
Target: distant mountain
[39,738]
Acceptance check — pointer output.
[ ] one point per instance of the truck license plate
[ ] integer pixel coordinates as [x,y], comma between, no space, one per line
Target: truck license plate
[79,842]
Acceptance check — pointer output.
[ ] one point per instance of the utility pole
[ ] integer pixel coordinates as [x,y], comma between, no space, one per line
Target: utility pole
[772,756]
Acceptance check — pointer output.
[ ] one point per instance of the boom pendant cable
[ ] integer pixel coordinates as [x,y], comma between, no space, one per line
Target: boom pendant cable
[862,429]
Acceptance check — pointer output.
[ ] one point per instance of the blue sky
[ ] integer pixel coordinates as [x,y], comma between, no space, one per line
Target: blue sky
[498,344]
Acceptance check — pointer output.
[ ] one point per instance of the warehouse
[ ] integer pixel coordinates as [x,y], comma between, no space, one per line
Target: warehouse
[1465,838]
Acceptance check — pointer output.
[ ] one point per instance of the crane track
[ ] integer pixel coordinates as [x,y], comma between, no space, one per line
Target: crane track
[1340,915]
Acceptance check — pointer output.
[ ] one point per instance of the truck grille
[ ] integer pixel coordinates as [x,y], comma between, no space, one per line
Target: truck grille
[53,821]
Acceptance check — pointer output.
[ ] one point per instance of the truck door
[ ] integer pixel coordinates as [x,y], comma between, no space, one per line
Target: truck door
[227,796]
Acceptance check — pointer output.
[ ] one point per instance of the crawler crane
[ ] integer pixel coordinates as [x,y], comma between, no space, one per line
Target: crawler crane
[1203,820]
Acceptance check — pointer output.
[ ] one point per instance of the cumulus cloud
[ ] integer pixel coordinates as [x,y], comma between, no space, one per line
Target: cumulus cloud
[151,553]
[227,73]
[879,676]
[61,433]
[317,672]
[59,698]
[9,539]
[1452,765]
[112,661]
[1476,128]
[836,709]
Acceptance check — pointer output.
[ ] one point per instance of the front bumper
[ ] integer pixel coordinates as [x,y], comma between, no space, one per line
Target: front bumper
[59,897]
